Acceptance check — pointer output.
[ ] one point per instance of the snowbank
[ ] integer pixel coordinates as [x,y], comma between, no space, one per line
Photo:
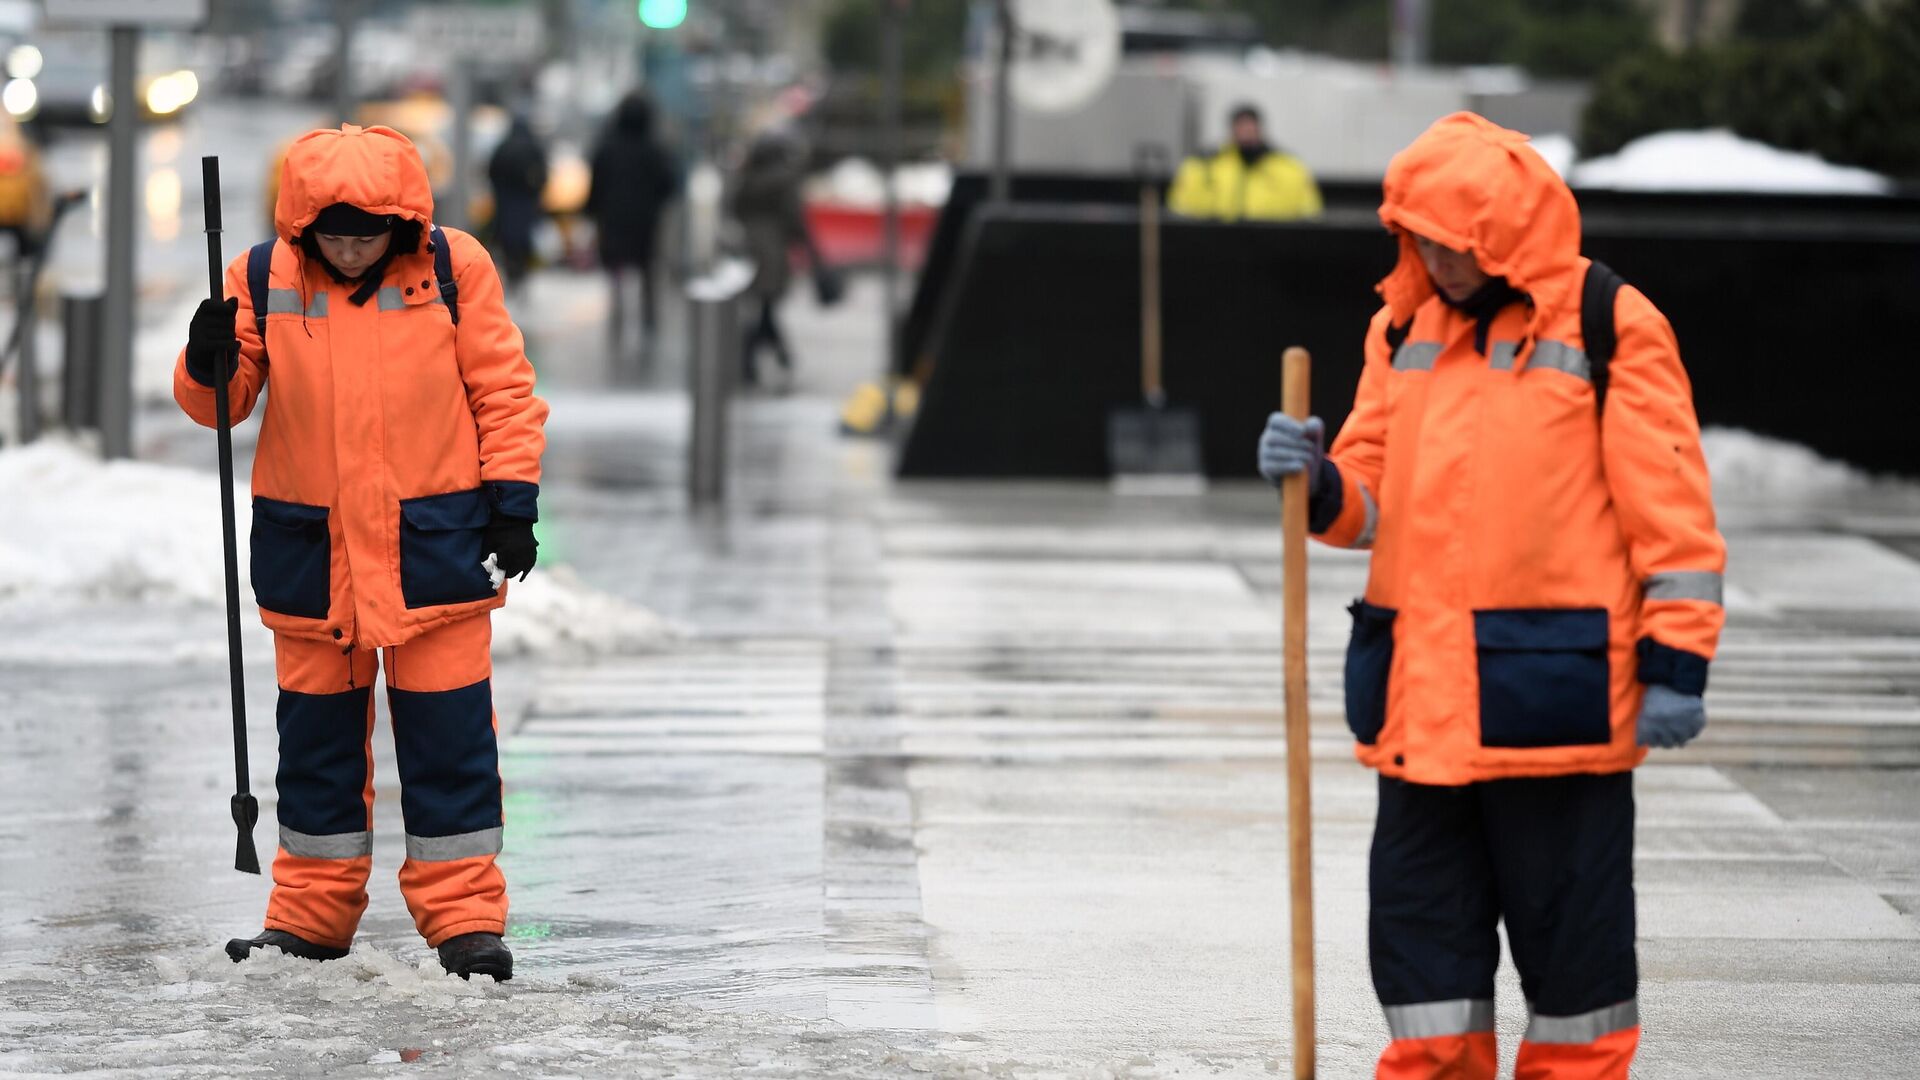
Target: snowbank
[1749,466]
[79,528]
[1719,160]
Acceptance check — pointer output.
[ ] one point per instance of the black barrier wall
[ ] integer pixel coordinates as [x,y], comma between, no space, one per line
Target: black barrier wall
[1792,315]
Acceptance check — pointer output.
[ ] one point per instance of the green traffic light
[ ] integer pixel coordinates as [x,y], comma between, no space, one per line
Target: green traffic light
[663,14]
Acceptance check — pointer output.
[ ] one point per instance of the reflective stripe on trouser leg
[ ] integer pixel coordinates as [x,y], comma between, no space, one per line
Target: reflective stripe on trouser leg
[1431,930]
[324,782]
[444,736]
[1595,1045]
[1435,1039]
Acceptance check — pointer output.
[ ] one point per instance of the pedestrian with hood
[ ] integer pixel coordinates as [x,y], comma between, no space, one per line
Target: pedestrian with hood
[1246,180]
[766,203]
[398,458]
[518,173]
[1544,597]
[633,180]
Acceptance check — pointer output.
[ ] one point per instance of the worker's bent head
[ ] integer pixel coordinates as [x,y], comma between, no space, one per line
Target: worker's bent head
[351,239]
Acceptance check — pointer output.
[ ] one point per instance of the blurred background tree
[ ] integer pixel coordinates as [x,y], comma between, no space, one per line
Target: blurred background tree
[1829,77]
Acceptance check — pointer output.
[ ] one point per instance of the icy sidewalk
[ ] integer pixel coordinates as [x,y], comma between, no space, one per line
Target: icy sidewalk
[956,779]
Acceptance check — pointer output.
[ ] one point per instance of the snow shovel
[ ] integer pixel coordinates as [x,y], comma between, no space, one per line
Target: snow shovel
[1154,448]
[246,809]
[1295,383]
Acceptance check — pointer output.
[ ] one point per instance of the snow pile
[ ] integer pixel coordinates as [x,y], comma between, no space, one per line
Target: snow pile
[80,528]
[1719,160]
[855,181]
[76,526]
[554,612]
[1754,467]
[1558,150]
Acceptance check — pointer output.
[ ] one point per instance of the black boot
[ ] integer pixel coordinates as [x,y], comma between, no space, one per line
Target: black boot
[293,945]
[477,954]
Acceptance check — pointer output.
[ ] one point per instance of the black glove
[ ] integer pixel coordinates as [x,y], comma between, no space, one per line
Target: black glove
[511,542]
[211,341]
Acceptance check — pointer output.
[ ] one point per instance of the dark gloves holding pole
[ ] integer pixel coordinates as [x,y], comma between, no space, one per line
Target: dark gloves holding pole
[211,344]
[510,541]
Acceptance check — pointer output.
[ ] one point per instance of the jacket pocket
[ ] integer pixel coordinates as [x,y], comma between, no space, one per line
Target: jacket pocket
[1369,662]
[440,540]
[1543,677]
[291,558]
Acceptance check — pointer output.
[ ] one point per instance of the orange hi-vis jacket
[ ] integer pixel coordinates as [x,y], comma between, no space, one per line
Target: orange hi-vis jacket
[1535,560]
[391,434]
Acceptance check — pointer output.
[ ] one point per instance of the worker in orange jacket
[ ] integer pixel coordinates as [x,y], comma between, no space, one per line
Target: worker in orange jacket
[395,485]
[1543,600]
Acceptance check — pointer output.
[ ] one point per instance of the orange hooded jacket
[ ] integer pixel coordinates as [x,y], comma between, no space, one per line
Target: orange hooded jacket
[391,434]
[1534,560]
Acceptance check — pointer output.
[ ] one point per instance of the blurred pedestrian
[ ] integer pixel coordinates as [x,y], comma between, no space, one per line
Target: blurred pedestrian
[394,488]
[1544,596]
[766,203]
[1245,180]
[633,180]
[518,171]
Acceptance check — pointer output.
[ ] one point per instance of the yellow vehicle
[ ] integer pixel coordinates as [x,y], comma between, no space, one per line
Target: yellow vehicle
[26,205]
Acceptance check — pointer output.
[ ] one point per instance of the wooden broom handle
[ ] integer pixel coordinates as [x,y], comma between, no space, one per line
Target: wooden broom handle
[1295,383]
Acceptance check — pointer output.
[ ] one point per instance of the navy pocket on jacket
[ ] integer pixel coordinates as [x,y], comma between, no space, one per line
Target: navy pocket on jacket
[290,558]
[1369,663]
[1543,677]
[440,540]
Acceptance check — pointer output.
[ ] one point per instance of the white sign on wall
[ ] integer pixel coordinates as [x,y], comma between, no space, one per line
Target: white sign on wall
[126,12]
[477,32]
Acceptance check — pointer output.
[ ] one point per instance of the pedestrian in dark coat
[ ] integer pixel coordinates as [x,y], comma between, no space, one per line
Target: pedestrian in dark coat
[634,179]
[518,172]
[766,203]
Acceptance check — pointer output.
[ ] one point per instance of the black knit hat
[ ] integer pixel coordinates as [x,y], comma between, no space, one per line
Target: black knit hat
[342,219]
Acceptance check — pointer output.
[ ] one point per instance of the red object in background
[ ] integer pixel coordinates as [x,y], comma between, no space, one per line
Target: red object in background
[856,235]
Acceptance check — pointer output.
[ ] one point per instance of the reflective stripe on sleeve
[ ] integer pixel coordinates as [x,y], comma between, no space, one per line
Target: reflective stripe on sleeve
[1561,356]
[1584,1027]
[1685,585]
[458,846]
[1365,540]
[287,302]
[346,845]
[1434,1019]
[1416,356]
[1502,357]
[390,298]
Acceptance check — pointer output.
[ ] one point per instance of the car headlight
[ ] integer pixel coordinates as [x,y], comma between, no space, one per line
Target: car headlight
[21,98]
[170,93]
[25,62]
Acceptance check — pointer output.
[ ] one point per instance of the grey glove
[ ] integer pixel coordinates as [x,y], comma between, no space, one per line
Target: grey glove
[1670,719]
[1290,446]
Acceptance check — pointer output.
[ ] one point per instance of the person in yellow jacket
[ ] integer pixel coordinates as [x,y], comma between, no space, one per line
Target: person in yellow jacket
[1544,596]
[1246,180]
[395,486]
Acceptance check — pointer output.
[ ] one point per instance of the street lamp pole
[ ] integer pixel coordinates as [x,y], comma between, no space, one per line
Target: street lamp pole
[116,359]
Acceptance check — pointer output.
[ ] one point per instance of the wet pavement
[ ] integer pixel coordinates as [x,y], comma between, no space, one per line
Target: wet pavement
[962,779]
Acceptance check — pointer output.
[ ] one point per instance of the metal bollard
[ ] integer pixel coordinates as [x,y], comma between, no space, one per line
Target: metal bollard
[29,358]
[713,309]
[80,317]
[716,347]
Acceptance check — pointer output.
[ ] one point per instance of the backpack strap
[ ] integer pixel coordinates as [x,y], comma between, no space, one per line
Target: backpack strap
[1396,337]
[443,272]
[1597,329]
[259,264]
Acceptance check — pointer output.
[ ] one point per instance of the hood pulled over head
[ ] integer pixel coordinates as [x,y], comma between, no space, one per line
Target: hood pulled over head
[1468,184]
[374,170]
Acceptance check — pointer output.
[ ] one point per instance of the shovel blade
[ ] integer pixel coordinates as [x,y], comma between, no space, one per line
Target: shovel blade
[1151,441]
